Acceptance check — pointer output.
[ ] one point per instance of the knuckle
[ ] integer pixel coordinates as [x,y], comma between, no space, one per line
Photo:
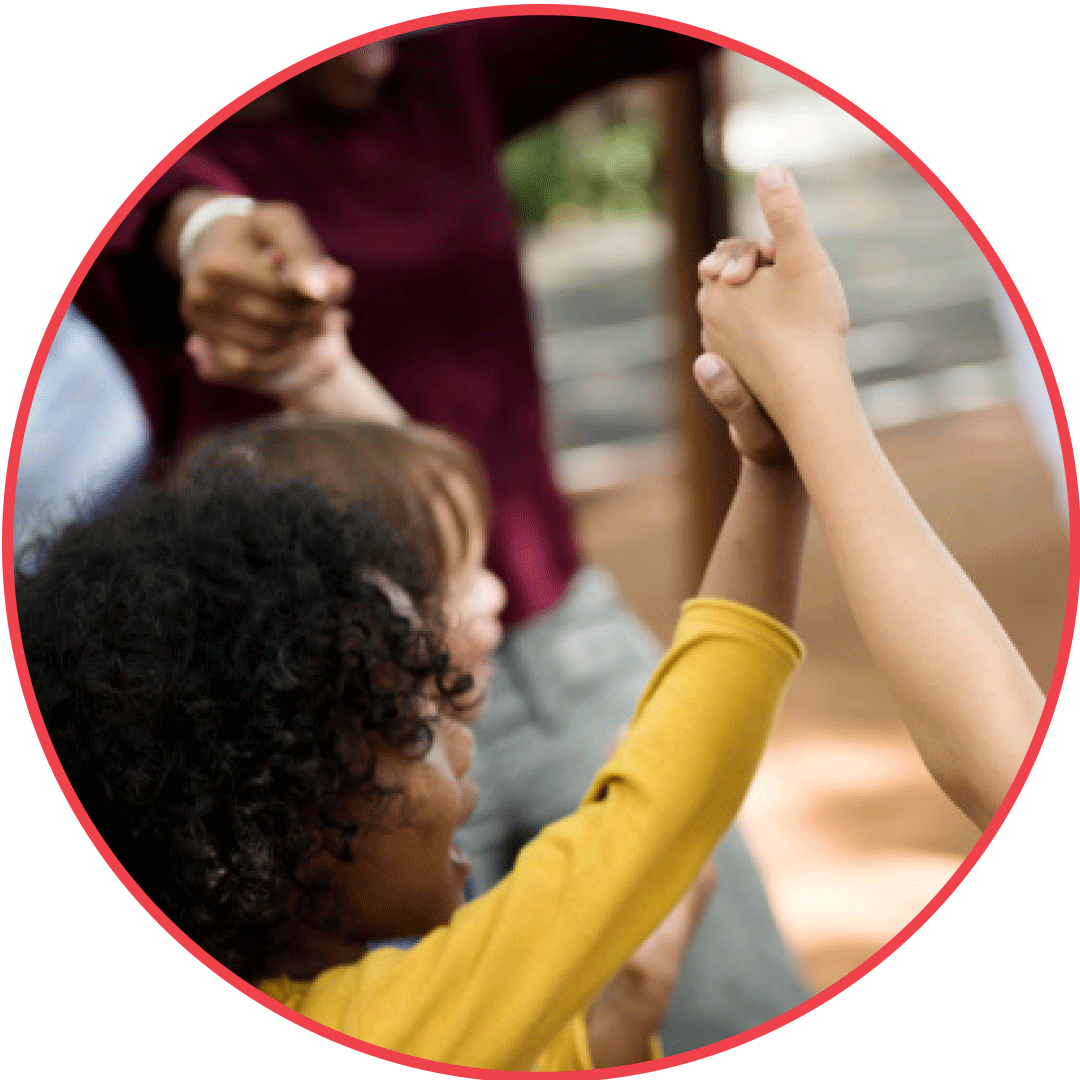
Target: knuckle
[729,397]
[284,218]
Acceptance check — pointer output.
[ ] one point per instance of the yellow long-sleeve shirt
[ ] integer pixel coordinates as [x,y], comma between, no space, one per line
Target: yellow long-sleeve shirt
[504,984]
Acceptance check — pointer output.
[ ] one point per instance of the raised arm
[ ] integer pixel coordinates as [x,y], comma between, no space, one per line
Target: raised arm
[757,559]
[495,986]
[964,692]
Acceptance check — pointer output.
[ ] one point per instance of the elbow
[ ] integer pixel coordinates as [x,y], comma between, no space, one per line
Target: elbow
[976,806]
[978,797]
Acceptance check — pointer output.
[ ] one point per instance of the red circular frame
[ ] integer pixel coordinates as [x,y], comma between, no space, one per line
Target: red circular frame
[812,84]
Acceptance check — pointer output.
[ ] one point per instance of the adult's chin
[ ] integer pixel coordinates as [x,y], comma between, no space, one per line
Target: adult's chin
[353,95]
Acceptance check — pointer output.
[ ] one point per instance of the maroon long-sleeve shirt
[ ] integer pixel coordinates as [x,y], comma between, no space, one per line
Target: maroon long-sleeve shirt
[407,193]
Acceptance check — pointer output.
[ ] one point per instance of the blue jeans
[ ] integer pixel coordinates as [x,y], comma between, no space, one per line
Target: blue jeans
[87,438]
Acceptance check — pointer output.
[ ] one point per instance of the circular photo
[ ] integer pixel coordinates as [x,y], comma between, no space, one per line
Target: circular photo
[540,543]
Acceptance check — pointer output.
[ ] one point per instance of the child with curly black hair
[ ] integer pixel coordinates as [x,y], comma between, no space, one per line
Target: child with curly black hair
[251,686]
[436,491]
[431,484]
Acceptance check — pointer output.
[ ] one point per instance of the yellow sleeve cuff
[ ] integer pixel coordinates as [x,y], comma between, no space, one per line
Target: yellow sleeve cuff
[705,613]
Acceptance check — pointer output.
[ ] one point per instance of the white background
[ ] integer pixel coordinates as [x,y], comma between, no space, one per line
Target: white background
[96,94]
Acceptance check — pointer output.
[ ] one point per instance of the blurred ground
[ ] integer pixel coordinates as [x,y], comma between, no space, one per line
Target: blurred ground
[852,835]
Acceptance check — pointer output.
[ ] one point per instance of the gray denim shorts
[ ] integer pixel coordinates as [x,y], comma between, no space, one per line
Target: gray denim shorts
[564,684]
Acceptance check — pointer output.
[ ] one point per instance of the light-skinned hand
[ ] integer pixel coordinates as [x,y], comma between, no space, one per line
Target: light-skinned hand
[788,322]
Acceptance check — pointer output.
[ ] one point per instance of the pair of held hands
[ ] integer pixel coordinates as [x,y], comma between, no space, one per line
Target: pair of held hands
[262,300]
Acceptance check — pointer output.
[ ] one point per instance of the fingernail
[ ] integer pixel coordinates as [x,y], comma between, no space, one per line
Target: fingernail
[773,178]
[708,264]
[708,367]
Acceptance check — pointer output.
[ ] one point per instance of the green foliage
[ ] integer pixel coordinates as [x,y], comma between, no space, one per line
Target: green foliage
[610,175]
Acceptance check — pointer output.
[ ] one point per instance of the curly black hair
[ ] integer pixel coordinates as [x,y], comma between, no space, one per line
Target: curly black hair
[218,668]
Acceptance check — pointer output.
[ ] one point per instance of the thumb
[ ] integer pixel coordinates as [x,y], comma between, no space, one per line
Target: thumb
[311,279]
[316,278]
[782,206]
[324,280]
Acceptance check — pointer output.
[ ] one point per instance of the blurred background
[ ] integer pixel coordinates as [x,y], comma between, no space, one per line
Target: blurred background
[852,835]
[616,201]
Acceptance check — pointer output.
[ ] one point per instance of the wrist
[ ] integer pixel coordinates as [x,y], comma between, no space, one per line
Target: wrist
[812,389]
[777,491]
[349,392]
[779,479]
[203,218]
[836,419]
[183,205]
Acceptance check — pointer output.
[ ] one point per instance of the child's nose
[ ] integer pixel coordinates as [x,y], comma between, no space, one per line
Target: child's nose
[494,592]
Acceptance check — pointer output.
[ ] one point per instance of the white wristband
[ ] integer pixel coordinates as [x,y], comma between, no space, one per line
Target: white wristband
[204,216]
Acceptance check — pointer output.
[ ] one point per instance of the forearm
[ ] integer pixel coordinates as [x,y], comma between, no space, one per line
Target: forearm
[965,693]
[349,392]
[757,560]
[575,1048]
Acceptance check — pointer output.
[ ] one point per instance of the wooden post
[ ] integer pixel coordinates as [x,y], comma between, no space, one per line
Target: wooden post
[697,202]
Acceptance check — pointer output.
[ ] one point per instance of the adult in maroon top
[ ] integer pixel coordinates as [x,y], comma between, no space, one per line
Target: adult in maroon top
[391,169]
[407,193]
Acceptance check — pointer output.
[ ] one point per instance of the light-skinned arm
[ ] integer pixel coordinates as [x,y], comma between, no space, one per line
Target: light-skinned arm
[964,692]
